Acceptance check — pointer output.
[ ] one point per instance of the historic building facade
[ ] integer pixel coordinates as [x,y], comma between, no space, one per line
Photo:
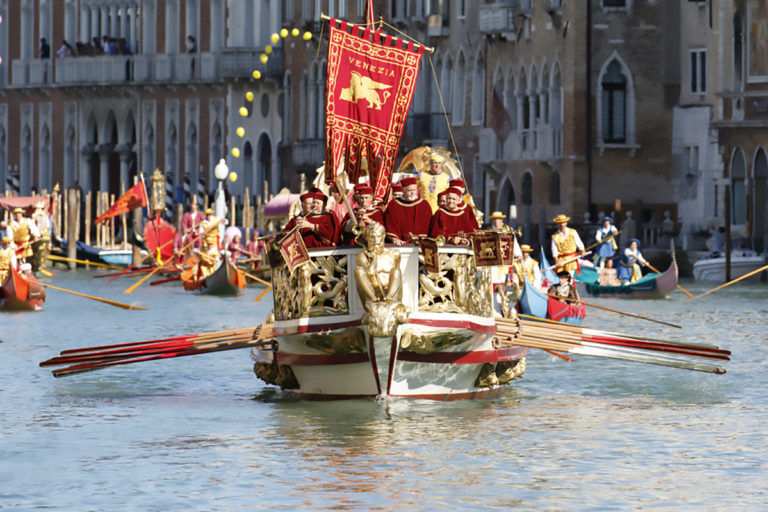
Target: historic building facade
[167,95]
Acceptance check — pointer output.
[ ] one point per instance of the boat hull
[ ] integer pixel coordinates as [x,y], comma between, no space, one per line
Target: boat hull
[393,367]
[225,280]
[19,294]
[535,303]
[656,286]
[118,257]
[712,270]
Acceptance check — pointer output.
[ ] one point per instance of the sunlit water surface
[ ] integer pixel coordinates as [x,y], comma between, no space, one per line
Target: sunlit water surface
[202,433]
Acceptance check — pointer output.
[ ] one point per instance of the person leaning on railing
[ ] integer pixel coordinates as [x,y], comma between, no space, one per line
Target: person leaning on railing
[452,222]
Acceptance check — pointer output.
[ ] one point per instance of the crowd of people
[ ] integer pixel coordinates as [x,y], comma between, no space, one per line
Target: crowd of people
[106,45]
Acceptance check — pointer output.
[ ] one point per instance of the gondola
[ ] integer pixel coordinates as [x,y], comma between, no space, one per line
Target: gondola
[226,279]
[21,293]
[534,302]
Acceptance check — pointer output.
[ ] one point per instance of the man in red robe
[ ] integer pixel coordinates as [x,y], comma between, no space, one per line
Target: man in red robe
[190,225]
[408,216]
[366,213]
[453,222]
[317,228]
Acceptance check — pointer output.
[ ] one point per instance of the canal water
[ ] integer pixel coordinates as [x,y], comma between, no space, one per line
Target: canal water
[202,433]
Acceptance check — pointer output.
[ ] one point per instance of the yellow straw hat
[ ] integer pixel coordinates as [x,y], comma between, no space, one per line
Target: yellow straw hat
[17,210]
[526,248]
[561,218]
[497,215]
[209,211]
[436,158]
[6,240]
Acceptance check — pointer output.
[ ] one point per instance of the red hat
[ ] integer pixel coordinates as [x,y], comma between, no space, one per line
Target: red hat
[364,189]
[306,195]
[397,186]
[457,183]
[410,180]
[318,194]
[441,194]
[454,190]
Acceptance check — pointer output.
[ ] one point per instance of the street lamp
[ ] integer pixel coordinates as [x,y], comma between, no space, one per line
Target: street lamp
[221,171]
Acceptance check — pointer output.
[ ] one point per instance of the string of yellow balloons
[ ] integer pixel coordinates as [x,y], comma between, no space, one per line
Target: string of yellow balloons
[256,74]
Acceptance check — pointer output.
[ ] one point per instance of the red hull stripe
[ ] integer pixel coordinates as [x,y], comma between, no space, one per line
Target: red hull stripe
[480,356]
[454,324]
[319,359]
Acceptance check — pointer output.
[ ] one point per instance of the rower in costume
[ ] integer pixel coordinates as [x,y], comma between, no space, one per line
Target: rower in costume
[606,250]
[628,269]
[566,245]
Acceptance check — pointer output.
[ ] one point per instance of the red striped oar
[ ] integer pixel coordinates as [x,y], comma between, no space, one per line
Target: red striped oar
[655,345]
[141,260]
[124,273]
[166,280]
[204,349]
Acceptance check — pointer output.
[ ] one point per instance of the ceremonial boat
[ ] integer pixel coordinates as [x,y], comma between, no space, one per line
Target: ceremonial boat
[226,279]
[434,339]
[20,293]
[536,303]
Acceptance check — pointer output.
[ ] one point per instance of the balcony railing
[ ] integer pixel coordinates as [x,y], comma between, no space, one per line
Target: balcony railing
[117,69]
[497,18]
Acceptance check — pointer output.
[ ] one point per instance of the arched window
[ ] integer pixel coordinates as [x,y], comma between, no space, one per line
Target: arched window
[287,108]
[738,188]
[70,157]
[304,125]
[446,80]
[506,201]
[248,180]
[45,178]
[527,189]
[4,160]
[459,91]
[524,112]
[478,91]
[554,188]
[192,158]
[264,164]
[149,149]
[613,103]
[320,100]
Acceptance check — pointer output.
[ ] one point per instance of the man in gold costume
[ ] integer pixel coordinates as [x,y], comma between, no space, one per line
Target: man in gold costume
[526,268]
[566,245]
[24,233]
[210,252]
[434,181]
[7,258]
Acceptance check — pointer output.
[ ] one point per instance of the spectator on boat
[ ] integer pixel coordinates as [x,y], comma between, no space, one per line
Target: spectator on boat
[441,198]
[564,288]
[25,232]
[317,229]
[434,181]
[605,250]
[628,269]
[397,190]
[717,241]
[7,258]
[236,250]
[452,222]
[365,213]
[409,216]
[256,249]
[190,225]
[526,268]
[566,245]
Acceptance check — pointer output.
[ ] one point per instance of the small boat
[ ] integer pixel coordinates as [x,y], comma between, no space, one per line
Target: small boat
[118,257]
[651,286]
[712,270]
[84,251]
[534,302]
[227,279]
[21,293]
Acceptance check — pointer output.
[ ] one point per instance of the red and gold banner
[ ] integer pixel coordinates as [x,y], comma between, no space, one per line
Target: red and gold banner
[430,254]
[370,84]
[489,249]
[135,197]
[293,250]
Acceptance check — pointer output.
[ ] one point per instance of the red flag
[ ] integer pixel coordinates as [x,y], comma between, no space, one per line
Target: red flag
[369,88]
[293,250]
[136,197]
[501,122]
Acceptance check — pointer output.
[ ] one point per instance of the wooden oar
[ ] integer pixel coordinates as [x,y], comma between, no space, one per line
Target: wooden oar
[266,291]
[614,310]
[604,240]
[162,265]
[105,301]
[118,274]
[677,286]
[53,257]
[580,256]
[729,283]
[141,260]
[46,272]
